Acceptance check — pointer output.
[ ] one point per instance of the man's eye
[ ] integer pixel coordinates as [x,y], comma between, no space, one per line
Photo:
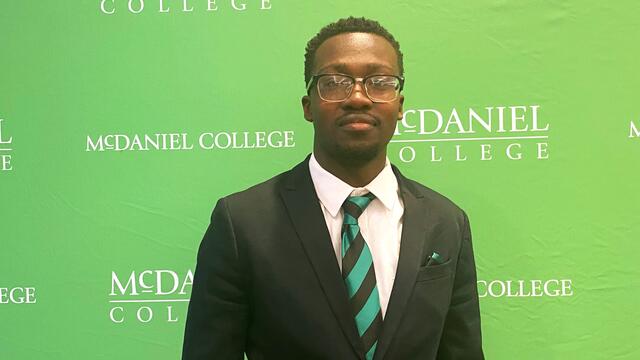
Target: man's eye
[336,83]
[383,84]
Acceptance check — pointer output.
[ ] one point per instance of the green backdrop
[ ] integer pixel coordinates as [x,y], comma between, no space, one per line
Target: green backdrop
[524,113]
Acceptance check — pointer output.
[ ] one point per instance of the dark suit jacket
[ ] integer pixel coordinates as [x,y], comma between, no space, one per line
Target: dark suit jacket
[268,283]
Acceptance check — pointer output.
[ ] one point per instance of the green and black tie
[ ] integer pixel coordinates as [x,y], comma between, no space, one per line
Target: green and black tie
[359,275]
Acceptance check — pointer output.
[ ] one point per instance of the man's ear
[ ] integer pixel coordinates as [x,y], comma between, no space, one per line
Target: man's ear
[400,110]
[306,108]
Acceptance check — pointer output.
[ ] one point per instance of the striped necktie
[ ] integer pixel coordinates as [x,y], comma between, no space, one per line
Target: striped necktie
[359,275]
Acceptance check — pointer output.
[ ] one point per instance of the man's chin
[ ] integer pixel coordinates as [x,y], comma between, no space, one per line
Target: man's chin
[357,153]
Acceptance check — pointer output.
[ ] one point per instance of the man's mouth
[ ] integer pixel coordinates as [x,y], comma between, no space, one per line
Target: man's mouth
[357,122]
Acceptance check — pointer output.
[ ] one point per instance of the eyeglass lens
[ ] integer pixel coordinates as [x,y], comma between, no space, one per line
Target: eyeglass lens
[339,87]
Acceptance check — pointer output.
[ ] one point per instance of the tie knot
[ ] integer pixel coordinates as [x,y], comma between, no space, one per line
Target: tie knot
[354,206]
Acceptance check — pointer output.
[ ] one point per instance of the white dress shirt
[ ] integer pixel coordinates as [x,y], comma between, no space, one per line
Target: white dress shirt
[380,223]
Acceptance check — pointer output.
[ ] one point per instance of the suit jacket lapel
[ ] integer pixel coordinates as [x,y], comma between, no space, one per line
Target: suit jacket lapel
[411,247]
[302,204]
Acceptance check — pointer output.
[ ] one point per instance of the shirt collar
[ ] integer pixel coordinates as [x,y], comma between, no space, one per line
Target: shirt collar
[332,192]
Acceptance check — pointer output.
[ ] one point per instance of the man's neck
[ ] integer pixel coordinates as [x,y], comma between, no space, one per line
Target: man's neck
[354,173]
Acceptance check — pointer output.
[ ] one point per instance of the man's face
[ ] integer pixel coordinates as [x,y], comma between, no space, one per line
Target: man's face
[356,128]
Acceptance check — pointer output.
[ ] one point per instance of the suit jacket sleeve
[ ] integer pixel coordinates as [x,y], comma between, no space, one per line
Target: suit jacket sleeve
[218,311]
[461,338]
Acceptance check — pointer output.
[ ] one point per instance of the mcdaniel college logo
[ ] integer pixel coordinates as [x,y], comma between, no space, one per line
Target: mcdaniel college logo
[5,150]
[149,296]
[513,132]
[111,7]
[222,140]
[634,131]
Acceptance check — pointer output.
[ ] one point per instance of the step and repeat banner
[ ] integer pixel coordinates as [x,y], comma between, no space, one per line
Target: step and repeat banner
[123,121]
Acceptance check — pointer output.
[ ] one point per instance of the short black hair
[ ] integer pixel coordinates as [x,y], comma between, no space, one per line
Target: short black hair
[347,25]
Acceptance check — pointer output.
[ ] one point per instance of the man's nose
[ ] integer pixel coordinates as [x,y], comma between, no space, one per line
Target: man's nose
[358,96]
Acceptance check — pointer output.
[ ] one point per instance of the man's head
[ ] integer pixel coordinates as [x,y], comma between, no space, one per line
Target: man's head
[353,121]
[347,25]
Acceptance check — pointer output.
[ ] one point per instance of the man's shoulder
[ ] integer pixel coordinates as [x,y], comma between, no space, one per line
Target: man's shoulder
[433,198]
[267,190]
[260,190]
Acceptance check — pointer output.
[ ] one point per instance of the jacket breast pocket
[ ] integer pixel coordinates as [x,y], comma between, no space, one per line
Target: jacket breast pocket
[432,272]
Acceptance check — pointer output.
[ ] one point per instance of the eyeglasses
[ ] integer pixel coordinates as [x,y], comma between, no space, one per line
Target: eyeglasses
[338,87]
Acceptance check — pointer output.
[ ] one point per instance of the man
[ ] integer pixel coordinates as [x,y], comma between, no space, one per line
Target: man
[341,257]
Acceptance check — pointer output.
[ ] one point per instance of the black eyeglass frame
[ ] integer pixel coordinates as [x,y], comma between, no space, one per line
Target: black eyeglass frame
[314,79]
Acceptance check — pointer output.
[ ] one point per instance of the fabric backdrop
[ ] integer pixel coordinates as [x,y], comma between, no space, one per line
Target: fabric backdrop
[122,122]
